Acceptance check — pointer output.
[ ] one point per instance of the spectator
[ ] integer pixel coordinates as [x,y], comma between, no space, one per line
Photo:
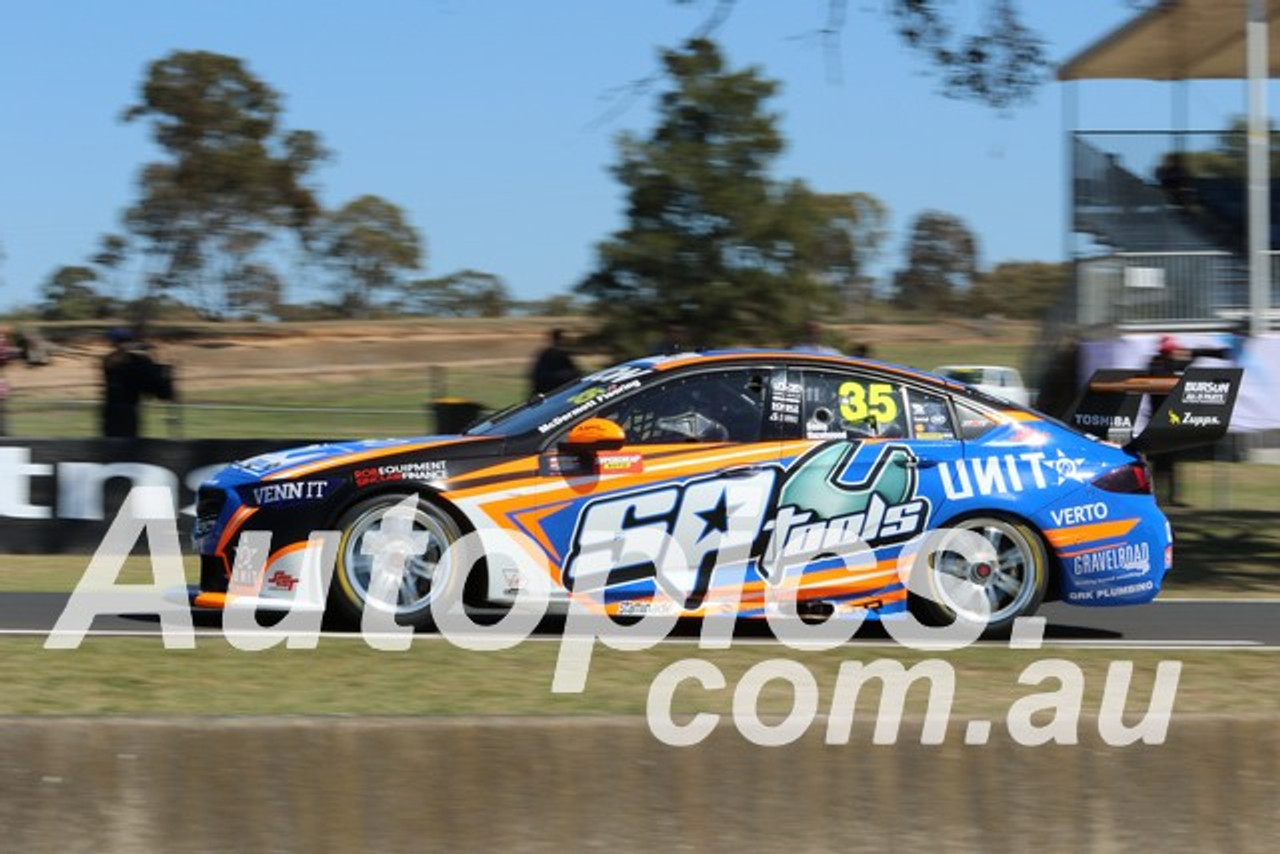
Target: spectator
[554,366]
[32,348]
[811,341]
[7,353]
[1174,180]
[128,374]
[1170,360]
[1060,384]
[674,340]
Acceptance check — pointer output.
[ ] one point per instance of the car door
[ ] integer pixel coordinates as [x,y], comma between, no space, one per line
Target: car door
[688,491]
[866,473]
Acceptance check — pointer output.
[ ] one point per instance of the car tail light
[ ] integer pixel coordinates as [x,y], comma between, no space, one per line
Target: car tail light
[1130,478]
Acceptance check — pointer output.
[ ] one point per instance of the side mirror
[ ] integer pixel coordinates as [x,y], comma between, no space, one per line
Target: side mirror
[592,435]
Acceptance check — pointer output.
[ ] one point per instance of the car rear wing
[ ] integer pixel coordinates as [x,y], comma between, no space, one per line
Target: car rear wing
[1188,410]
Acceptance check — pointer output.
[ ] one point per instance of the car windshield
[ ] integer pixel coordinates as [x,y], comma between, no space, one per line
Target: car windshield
[546,413]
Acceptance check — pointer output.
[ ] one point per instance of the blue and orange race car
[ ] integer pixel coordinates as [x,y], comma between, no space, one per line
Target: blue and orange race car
[709,482]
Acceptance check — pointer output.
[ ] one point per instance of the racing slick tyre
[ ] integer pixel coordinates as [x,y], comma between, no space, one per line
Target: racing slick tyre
[416,534]
[1007,567]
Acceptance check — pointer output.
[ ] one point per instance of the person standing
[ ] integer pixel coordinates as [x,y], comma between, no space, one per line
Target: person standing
[1170,360]
[554,365]
[128,374]
[7,353]
[811,341]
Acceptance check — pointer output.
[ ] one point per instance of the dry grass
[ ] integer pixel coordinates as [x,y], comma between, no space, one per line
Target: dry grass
[343,676]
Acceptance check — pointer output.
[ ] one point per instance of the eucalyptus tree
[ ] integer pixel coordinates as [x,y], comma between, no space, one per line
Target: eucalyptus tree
[231,181]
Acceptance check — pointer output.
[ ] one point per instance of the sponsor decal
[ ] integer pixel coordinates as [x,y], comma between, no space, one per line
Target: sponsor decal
[282,580]
[250,559]
[1093,419]
[1095,512]
[1066,468]
[1207,393]
[930,419]
[584,465]
[565,465]
[619,463]
[589,394]
[289,492]
[611,544]
[1134,557]
[1008,473]
[592,398]
[724,519]
[1116,592]
[1124,590]
[818,513]
[785,401]
[643,607]
[1187,419]
[619,374]
[418,471]
[512,581]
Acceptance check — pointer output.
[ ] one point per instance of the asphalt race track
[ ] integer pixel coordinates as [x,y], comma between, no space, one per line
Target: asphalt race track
[1172,623]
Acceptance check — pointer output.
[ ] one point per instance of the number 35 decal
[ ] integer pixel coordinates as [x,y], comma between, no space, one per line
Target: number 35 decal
[859,402]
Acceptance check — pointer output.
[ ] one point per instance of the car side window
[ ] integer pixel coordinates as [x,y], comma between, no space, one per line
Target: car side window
[852,406]
[720,406]
[930,416]
[973,422]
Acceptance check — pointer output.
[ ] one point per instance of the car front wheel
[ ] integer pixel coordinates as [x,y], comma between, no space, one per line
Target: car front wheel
[415,533]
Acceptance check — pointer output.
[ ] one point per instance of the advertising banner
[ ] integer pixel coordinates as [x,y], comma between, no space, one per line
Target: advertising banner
[60,495]
[1258,405]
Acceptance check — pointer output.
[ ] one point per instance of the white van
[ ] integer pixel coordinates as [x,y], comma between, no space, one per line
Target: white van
[997,380]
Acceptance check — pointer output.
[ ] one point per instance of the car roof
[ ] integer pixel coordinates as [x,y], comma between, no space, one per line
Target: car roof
[972,367]
[799,357]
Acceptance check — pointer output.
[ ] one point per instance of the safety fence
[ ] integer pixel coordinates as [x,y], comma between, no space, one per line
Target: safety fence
[1167,290]
[365,403]
[79,418]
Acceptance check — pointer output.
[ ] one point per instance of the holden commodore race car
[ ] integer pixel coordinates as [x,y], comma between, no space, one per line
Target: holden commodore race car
[712,482]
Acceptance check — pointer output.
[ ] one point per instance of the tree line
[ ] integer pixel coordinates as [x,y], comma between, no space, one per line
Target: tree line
[713,240]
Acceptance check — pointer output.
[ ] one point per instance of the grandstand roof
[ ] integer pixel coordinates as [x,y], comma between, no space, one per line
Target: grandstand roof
[1177,40]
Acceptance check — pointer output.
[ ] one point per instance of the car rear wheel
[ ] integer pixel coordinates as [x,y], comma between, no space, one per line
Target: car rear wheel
[419,537]
[1005,566]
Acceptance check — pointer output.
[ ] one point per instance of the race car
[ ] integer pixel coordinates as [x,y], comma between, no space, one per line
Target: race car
[740,482]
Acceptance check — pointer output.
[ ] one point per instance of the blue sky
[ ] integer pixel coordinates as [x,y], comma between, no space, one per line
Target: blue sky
[489,121]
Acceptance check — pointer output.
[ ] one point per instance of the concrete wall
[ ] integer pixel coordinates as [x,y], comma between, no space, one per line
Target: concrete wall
[107,785]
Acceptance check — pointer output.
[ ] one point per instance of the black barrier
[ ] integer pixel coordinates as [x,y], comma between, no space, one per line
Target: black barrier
[454,414]
[60,495]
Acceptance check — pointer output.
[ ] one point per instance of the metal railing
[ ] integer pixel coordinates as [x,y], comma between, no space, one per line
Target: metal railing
[66,419]
[1167,289]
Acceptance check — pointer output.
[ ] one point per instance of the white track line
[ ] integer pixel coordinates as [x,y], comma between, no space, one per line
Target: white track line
[1180,645]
